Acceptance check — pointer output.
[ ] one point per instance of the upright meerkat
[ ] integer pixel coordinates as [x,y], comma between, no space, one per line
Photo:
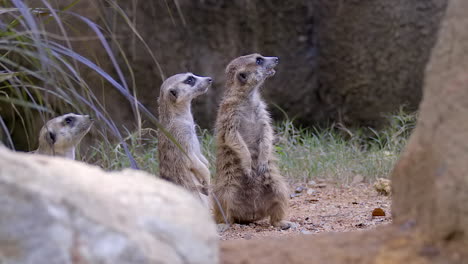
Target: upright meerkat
[189,169]
[61,135]
[248,184]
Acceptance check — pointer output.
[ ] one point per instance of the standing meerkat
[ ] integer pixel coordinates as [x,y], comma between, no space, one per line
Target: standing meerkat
[248,184]
[189,169]
[61,135]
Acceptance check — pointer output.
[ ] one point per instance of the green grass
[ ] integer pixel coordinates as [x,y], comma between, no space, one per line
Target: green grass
[341,154]
[40,79]
[40,71]
[303,154]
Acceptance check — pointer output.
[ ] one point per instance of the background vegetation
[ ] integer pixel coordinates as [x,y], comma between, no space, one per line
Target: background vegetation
[333,153]
[54,60]
[42,73]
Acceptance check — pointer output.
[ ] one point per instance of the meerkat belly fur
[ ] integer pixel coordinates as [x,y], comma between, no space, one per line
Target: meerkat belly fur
[248,184]
[189,169]
[61,135]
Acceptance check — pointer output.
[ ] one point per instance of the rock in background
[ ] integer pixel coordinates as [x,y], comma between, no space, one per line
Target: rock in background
[347,61]
[60,211]
[341,61]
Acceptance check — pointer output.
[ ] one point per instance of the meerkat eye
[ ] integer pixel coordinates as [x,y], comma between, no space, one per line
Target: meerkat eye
[69,120]
[190,81]
[260,61]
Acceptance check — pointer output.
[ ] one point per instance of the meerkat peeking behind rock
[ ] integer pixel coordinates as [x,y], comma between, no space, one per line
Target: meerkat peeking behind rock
[61,135]
[247,184]
[188,168]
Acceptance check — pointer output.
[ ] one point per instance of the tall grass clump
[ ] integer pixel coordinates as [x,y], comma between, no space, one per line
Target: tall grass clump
[339,153]
[304,154]
[144,147]
[41,71]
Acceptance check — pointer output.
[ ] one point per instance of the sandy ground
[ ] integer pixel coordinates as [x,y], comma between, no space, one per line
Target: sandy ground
[322,207]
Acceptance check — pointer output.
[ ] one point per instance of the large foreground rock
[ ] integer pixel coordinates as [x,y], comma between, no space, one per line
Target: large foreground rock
[59,211]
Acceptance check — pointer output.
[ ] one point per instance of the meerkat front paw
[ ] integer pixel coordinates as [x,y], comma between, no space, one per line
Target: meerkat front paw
[262,167]
[247,168]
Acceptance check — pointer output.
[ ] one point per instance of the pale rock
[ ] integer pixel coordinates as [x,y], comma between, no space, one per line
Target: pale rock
[57,211]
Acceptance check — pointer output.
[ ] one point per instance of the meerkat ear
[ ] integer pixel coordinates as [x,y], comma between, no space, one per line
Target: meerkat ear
[242,77]
[50,137]
[173,94]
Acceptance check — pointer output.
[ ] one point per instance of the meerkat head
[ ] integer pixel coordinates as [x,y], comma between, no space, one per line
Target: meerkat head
[250,71]
[60,136]
[181,88]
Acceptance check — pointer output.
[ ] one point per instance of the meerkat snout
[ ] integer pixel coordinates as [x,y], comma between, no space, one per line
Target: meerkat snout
[61,135]
[268,63]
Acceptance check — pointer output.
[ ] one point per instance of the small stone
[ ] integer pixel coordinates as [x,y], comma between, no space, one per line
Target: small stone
[299,189]
[311,191]
[292,226]
[321,185]
[297,194]
[378,212]
[383,186]
[306,232]
[311,183]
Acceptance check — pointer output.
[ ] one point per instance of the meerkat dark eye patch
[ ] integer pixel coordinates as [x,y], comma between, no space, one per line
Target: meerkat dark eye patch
[173,94]
[260,61]
[190,81]
[242,77]
[69,120]
[51,138]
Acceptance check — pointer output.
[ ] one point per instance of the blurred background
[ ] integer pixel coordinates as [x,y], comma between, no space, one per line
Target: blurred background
[341,62]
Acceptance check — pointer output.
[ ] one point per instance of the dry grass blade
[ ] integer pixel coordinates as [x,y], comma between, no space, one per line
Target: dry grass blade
[41,64]
[42,70]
